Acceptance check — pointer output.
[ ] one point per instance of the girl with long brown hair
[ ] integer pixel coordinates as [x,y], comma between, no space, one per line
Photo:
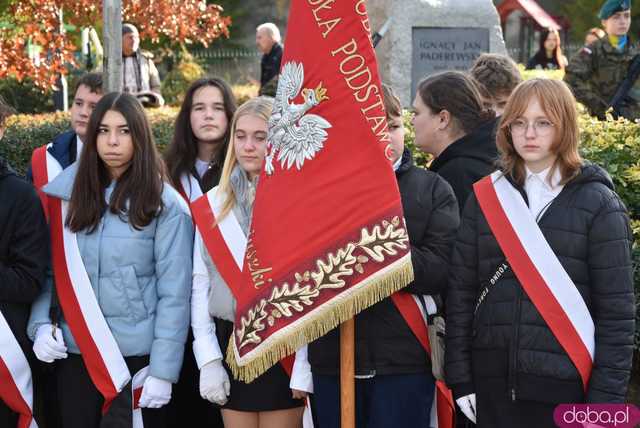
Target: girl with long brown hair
[201,137]
[194,162]
[540,309]
[549,56]
[134,239]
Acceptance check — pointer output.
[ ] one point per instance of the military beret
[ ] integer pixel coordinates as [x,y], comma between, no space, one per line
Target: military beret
[613,6]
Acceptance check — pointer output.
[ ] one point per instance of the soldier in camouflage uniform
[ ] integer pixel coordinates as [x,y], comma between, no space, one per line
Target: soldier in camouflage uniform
[596,71]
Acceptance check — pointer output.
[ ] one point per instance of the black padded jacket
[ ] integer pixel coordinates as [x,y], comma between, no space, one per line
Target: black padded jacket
[587,226]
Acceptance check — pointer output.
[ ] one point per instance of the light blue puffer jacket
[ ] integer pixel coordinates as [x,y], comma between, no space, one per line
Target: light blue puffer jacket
[141,278]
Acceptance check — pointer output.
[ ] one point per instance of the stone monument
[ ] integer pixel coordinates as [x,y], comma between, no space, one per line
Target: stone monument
[428,36]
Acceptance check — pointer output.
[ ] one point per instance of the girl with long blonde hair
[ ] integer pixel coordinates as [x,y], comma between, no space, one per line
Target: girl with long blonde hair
[268,401]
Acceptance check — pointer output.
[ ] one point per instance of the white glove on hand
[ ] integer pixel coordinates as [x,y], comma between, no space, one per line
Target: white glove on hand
[214,383]
[155,393]
[47,347]
[468,406]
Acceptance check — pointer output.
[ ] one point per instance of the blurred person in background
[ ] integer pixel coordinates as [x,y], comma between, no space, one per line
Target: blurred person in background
[549,55]
[269,41]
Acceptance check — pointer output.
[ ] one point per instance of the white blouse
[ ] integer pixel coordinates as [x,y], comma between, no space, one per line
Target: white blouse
[541,190]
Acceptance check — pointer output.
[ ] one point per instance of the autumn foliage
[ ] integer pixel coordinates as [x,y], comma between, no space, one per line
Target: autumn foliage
[181,21]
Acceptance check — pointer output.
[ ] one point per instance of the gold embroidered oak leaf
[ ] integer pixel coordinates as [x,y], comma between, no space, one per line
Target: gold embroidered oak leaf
[251,325]
[336,266]
[284,298]
[381,241]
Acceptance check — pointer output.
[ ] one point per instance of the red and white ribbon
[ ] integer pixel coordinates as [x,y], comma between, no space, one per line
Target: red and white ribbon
[44,168]
[16,388]
[442,408]
[190,188]
[538,270]
[226,242]
[136,391]
[100,352]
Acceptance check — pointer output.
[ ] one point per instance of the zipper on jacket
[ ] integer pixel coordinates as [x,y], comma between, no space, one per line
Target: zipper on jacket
[513,363]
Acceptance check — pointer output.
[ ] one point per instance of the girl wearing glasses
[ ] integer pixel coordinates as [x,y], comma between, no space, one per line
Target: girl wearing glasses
[540,307]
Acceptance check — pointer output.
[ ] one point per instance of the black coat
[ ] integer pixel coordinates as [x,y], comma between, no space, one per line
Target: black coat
[540,61]
[587,227]
[270,64]
[384,342]
[467,160]
[24,251]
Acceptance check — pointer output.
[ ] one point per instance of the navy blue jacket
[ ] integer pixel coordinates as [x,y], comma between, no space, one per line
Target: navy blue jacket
[63,148]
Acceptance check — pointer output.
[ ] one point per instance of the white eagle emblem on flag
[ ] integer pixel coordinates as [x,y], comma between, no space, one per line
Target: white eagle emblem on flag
[295,136]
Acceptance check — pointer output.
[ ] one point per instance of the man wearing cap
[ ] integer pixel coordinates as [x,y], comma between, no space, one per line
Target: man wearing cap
[596,71]
[139,74]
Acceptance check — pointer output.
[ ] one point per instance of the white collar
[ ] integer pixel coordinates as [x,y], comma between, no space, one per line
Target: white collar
[397,163]
[79,146]
[543,176]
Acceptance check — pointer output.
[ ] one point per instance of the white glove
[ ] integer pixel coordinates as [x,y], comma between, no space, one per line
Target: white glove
[214,382]
[155,393]
[468,406]
[48,347]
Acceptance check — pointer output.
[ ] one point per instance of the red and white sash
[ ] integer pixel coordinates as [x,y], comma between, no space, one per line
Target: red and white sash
[226,244]
[443,409]
[44,168]
[136,391]
[16,388]
[100,352]
[538,270]
[189,188]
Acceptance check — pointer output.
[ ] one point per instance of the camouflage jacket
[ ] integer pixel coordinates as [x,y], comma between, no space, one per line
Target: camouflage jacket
[595,72]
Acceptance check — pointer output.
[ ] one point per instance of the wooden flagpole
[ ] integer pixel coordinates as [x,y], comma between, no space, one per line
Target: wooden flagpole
[347,375]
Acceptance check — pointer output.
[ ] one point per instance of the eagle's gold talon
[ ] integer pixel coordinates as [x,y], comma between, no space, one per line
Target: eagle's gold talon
[321,93]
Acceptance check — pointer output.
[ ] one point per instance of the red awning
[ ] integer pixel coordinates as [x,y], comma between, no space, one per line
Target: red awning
[531,8]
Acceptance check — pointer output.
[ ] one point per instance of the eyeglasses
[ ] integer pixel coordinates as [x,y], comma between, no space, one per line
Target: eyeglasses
[541,127]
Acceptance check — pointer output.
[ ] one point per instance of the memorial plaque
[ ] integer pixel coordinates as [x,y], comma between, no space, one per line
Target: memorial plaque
[439,49]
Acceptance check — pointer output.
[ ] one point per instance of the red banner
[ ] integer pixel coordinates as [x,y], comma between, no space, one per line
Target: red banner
[328,237]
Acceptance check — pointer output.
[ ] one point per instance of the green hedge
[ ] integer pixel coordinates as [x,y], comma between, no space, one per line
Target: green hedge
[25,97]
[26,132]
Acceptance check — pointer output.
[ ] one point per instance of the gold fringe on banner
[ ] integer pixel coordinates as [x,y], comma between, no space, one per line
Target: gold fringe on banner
[320,320]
